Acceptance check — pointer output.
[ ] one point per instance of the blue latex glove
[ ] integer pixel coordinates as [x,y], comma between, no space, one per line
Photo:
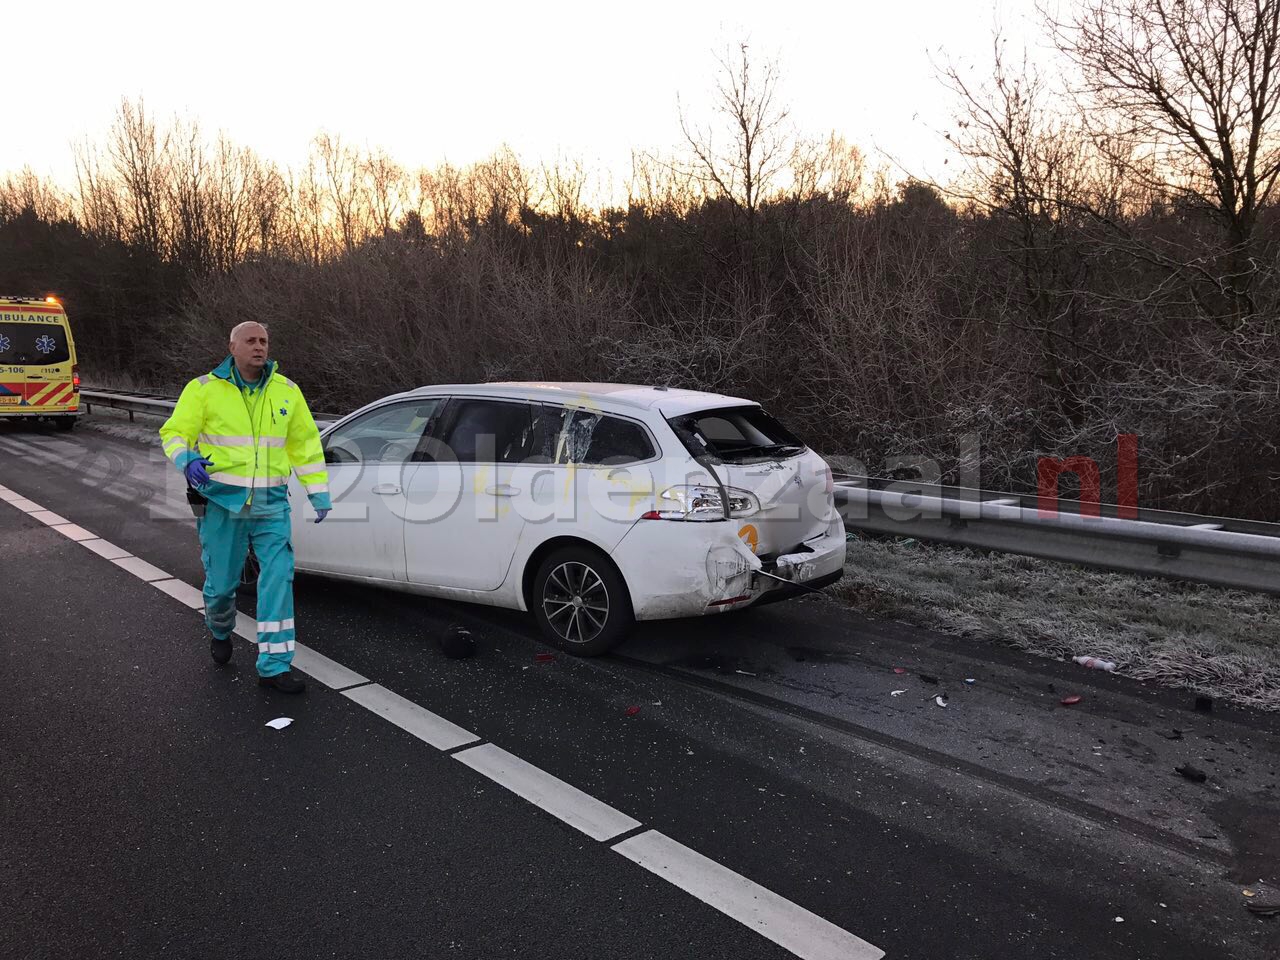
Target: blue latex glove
[321,514]
[195,471]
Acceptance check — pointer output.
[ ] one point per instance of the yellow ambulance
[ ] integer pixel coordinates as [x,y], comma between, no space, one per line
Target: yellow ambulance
[39,375]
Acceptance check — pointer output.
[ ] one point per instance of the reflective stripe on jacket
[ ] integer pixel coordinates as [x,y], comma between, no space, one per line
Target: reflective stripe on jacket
[252,456]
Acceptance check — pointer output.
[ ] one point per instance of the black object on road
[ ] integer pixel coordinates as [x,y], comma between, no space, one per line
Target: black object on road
[456,643]
[1193,774]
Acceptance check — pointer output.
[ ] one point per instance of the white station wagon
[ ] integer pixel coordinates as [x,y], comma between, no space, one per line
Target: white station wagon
[590,505]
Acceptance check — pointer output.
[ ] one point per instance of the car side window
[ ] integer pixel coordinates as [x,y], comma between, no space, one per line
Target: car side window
[489,431]
[595,439]
[387,435]
[547,433]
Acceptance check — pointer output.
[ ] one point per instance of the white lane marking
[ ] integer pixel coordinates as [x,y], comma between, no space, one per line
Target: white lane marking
[329,672]
[27,506]
[246,627]
[407,715]
[579,810]
[48,517]
[181,591]
[141,569]
[4,490]
[106,549]
[8,496]
[787,924]
[78,534]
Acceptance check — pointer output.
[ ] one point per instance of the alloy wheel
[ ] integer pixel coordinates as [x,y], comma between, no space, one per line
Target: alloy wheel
[576,602]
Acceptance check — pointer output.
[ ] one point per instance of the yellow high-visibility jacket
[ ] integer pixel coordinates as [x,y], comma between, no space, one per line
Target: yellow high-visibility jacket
[252,456]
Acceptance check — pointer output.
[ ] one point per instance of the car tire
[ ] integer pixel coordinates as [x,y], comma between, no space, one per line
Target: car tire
[600,616]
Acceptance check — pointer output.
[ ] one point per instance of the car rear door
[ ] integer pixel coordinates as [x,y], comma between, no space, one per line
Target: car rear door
[464,517]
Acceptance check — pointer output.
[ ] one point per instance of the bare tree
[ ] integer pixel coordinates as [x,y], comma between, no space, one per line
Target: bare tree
[1194,84]
[739,158]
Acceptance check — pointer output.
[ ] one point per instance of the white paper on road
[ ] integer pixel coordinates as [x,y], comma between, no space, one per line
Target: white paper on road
[279,723]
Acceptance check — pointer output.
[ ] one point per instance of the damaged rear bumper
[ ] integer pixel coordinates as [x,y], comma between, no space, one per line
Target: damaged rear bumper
[677,569]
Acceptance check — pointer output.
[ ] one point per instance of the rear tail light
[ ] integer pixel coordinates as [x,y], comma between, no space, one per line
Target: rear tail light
[701,502]
[75,378]
[830,484]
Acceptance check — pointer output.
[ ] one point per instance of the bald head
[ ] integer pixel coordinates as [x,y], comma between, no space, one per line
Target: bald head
[249,349]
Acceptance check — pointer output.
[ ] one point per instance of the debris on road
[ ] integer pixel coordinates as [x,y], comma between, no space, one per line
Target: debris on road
[1094,663]
[456,643]
[970,680]
[940,699]
[1249,893]
[896,693]
[279,723]
[632,711]
[1071,700]
[1194,774]
[1119,919]
[744,673]
[899,670]
[928,678]
[543,657]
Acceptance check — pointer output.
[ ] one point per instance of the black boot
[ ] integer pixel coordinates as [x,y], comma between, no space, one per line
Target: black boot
[220,650]
[284,682]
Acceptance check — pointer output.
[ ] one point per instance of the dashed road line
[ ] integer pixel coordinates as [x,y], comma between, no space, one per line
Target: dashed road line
[563,801]
[428,727]
[141,569]
[785,923]
[329,672]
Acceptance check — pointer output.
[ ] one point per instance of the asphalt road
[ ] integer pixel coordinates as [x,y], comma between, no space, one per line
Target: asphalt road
[148,811]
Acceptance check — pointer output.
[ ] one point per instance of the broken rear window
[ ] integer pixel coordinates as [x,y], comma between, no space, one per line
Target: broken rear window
[736,434]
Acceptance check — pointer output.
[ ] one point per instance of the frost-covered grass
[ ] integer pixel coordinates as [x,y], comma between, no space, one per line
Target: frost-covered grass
[1225,643]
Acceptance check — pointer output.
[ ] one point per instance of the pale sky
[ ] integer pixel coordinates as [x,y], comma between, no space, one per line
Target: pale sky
[434,82]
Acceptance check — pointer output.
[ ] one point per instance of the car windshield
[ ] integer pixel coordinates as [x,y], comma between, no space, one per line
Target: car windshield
[33,343]
[736,435]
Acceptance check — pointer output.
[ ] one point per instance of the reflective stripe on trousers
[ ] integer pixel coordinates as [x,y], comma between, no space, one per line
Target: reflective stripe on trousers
[224,543]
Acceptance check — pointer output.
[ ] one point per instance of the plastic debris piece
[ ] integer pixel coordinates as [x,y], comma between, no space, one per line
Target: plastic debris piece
[1094,663]
[899,670]
[1071,700]
[896,693]
[543,657]
[1119,919]
[1194,774]
[279,723]
[1250,893]
[970,680]
[940,699]
[744,673]
[928,678]
[632,711]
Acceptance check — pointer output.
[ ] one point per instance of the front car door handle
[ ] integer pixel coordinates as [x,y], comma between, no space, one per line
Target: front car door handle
[386,489]
[502,490]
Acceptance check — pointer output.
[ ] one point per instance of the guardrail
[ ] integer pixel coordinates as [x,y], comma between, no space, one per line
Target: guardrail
[155,405]
[1214,550]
